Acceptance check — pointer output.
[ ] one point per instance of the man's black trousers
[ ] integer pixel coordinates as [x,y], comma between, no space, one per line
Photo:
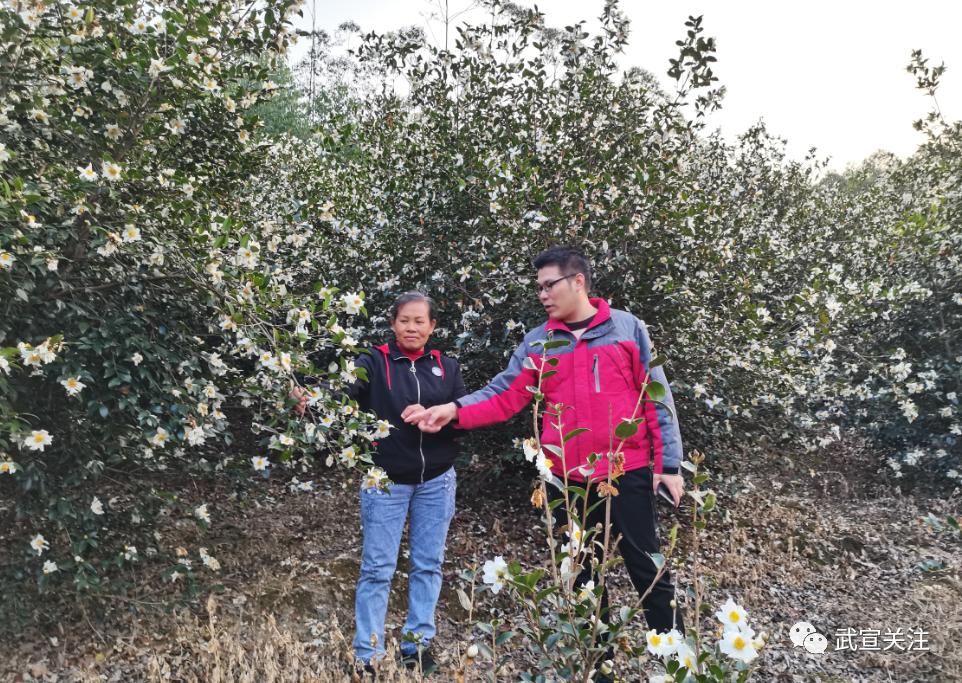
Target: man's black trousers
[633,518]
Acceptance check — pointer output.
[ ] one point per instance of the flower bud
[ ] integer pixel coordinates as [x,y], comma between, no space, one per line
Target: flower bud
[472,651]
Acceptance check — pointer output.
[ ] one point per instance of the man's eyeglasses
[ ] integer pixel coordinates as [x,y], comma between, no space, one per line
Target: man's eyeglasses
[546,287]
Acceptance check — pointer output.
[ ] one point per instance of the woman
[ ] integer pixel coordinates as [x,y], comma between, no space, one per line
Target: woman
[406,372]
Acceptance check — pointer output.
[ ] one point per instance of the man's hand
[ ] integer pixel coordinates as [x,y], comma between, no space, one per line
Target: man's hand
[674,482]
[300,393]
[432,419]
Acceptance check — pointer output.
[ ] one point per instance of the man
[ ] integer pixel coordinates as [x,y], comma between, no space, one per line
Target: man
[598,379]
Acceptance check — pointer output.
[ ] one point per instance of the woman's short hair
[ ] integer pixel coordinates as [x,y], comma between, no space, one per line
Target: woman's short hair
[409,297]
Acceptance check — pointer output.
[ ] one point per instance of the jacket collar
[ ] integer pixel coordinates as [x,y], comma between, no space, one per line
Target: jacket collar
[392,351]
[603,314]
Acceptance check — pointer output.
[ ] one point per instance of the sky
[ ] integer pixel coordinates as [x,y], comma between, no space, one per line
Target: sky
[829,75]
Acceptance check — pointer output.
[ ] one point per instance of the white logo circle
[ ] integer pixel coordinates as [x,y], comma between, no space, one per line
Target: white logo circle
[437,371]
[799,631]
[815,643]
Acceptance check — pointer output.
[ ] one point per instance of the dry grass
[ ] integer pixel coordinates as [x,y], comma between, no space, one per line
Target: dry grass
[225,650]
[798,544]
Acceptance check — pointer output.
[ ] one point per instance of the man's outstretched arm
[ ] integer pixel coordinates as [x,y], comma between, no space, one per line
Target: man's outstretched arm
[500,400]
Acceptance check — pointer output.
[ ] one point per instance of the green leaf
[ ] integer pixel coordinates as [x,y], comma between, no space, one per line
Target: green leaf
[573,433]
[656,390]
[626,429]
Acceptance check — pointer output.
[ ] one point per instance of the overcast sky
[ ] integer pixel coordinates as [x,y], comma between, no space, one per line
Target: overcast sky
[822,74]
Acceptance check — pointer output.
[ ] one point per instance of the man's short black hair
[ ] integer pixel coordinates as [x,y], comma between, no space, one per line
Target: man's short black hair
[568,259]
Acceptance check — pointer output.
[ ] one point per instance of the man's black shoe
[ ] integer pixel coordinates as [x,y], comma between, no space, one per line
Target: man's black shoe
[426,662]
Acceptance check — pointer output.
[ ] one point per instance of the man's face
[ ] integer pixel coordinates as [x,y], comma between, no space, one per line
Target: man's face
[562,298]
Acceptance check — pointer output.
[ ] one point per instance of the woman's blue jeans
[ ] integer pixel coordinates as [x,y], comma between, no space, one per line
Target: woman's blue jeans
[430,507]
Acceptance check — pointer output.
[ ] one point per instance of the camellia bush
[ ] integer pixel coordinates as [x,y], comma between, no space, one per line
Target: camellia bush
[794,302]
[143,329]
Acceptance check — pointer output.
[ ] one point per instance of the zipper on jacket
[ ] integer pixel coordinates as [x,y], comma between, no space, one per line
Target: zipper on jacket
[414,371]
[594,369]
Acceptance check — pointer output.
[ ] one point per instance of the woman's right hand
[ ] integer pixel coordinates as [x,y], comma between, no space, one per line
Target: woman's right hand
[300,393]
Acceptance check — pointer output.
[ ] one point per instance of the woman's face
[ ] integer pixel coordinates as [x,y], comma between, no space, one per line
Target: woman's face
[413,326]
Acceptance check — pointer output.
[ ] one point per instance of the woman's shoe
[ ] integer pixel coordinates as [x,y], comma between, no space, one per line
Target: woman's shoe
[426,661]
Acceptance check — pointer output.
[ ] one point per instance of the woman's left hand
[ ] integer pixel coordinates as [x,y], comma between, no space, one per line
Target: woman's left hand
[413,409]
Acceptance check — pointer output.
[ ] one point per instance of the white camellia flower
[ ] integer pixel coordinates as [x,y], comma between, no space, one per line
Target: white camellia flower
[8,467]
[496,573]
[87,172]
[130,552]
[909,410]
[6,259]
[587,592]
[73,385]
[39,543]
[49,567]
[159,438]
[349,456]
[530,448]
[247,256]
[136,359]
[38,440]
[544,465]
[658,644]
[674,639]
[738,646]
[131,233]
[137,26]
[383,429]
[110,171]
[732,615]
[260,463]
[195,436]
[352,303]
[96,506]
[686,656]
[375,478]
